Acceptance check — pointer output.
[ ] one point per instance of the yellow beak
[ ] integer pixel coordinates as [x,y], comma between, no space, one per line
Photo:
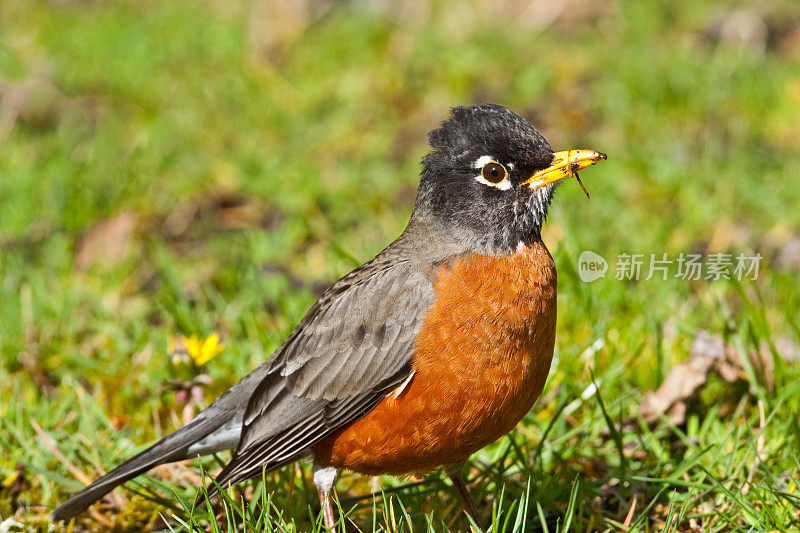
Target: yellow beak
[565,164]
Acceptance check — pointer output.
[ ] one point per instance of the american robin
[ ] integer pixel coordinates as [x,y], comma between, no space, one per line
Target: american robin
[426,353]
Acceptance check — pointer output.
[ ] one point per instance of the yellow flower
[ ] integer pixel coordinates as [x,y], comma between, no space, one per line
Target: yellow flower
[7,482]
[203,352]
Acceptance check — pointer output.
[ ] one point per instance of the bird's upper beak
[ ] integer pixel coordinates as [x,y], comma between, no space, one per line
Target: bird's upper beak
[565,164]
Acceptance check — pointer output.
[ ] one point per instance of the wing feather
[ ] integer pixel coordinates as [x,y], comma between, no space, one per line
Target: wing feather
[353,347]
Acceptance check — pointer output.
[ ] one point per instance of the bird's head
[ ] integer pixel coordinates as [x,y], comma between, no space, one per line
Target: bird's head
[489,178]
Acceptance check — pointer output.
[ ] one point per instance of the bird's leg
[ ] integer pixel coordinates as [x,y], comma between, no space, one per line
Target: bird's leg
[327,508]
[455,473]
[324,476]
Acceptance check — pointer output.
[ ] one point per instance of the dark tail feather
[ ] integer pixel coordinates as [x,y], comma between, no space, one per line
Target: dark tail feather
[173,447]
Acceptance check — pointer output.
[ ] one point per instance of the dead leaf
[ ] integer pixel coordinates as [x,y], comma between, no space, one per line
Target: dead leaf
[34,100]
[788,257]
[220,209]
[105,243]
[685,380]
[710,353]
[234,211]
[787,349]
[743,29]
[682,383]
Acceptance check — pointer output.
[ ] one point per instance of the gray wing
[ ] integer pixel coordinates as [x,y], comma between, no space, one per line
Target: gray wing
[354,345]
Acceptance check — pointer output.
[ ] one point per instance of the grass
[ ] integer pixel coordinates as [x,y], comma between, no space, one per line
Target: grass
[245,165]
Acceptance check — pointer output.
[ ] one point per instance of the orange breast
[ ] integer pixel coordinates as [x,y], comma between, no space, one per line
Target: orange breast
[481,360]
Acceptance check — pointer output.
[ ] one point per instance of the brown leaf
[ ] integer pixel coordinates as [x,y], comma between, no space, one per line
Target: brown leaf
[34,100]
[742,29]
[105,243]
[787,349]
[788,257]
[681,384]
[217,210]
[711,354]
[685,380]
[238,211]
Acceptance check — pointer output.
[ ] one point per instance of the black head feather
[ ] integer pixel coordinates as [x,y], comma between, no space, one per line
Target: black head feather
[483,217]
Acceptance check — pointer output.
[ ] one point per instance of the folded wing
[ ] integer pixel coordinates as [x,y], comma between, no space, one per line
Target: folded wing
[353,346]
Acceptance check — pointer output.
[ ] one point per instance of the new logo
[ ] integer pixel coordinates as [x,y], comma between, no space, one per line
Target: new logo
[591,266]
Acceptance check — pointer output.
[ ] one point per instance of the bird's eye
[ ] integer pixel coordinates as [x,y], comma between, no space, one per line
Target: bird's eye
[494,172]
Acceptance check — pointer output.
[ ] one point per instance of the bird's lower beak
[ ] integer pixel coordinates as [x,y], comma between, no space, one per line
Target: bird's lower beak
[565,164]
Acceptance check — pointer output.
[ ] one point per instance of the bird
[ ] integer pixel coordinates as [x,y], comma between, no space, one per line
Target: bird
[433,349]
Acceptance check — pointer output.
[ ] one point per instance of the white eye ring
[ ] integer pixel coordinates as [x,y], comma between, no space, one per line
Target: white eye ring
[484,160]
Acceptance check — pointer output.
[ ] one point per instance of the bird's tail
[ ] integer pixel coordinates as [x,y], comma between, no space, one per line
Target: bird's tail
[202,435]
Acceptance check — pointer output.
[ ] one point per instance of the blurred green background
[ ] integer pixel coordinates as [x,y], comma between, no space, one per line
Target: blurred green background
[175,168]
